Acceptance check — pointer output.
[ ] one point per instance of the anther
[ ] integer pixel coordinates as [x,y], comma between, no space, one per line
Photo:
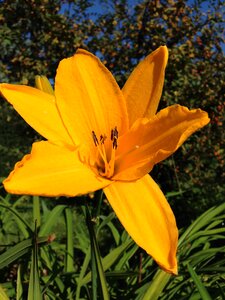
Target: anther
[102,138]
[112,134]
[116,133]
[115,143]
[95,139]
[114,137]
[105,159]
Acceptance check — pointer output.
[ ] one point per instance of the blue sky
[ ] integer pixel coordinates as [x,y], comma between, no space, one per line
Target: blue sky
[101,7]
[98,6]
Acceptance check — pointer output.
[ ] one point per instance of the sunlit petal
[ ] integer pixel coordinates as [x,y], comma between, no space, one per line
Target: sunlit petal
[89,98]
[149,142]
[143,89]
[39,110]
[51,170]
[147,217]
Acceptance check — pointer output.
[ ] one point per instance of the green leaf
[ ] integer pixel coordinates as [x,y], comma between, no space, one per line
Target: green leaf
[126,255]
[201,221]
[23,225]
[34,289]
[84,267]
[19,286]
[110,258]
[107,221]
[3,295]
[18,251]
[51,220]
[97,268]
[157,285]
[69,244]
[201,288]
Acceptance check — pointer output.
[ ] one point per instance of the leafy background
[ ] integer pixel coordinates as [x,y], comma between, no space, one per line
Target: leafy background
[36,35]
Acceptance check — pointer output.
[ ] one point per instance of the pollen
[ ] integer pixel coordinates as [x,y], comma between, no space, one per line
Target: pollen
[105,158]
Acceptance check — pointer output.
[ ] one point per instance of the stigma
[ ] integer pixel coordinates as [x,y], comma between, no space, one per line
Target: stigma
[105,160]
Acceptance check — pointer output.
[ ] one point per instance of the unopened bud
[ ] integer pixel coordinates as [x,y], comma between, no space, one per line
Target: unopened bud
[42,83]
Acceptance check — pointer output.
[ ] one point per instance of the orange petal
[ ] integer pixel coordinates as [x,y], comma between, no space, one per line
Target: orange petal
[89,98]
[146,215]
[51,170]
[151,141]
[39,110]
[143,89]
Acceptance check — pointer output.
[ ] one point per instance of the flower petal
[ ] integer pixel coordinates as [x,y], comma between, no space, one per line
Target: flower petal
[151,141]
[39,110]
[143,89]
[89,98]
[146,215]
[51,170]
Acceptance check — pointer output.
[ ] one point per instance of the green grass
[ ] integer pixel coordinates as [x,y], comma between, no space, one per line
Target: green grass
[77,249]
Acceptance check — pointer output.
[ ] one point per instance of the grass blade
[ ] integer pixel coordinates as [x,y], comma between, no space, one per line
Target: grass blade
[51,220]
[34,289]
[201,288]
[23,225]
[82,273]
[19,286]
[18,250]
[97,258]
[157,285]
[201,221]
[36,210]
[69,244]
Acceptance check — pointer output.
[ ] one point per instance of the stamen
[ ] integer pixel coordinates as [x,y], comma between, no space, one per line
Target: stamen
[116,133]
[112,134]
[115,143]
[114,137]
[108,159]
[102,138]
[101,148]
[95,139]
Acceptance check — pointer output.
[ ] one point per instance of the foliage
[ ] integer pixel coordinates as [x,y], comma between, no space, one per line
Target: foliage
[119,268]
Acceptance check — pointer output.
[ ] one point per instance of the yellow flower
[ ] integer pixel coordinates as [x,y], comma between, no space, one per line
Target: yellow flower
[101,137]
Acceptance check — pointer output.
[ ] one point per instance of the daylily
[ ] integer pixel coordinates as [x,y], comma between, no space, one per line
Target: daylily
[101,137]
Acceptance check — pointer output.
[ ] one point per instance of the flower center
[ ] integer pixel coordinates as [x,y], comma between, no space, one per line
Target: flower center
[106,153]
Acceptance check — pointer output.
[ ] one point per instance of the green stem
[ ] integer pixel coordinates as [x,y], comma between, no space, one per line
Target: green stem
[99,199]
[96,263]
[69,246]
[36,211]
[157,285]
[34,289]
